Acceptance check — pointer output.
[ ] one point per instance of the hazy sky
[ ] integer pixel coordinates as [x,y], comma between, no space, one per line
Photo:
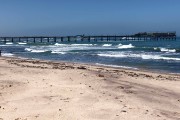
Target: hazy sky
[71,17]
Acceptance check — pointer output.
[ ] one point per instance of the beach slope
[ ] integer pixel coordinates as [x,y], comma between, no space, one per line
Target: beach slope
[45,90]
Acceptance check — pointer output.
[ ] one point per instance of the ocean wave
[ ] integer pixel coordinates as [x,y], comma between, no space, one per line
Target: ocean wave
[9,43]
[158,57]
[120,46]
[22,43]
[57,44]
[81,44]
[35,51]
[58,52]
[38,51]
[4,45]
[7,54]
[164,50]
[155,48]
[167,50]
[107,45]
[116,66]
[28,49]
[112,55]
[143,56]
[72,47]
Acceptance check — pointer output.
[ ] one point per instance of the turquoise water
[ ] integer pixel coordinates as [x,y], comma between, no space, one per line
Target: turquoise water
[161,56]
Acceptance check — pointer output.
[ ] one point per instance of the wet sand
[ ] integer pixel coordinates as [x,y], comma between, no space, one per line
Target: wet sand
[46,90]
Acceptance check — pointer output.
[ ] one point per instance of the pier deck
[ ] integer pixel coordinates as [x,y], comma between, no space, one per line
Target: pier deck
[136,37]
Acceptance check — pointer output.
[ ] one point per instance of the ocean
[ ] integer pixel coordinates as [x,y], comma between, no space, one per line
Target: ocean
[161,56]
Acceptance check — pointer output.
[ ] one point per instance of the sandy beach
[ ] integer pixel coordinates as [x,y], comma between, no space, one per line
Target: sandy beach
[45,90]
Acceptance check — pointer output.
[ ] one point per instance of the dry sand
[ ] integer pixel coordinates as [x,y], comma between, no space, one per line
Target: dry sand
[44,90]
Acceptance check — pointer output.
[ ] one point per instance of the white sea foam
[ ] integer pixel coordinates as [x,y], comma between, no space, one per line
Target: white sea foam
[116,66]
[82,44]
[155,48]
[143,56]
[35,51]
[22,43]
[28,49]
[38,51]
[57,44]
[69,45]
[167,50]
[107,45]
[158,57]
[150,57]
[9,43]
[124,38]
[58,52]
[120,46]
[173,50]
[112,55]
[4,45]
[7,54]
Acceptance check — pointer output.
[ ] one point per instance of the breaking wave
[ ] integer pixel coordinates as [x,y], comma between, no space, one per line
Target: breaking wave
[7,54]
[35,51]
[82,44]
[58,52]
[158,57]
[143,56]
[107,45]
[116,66]
[120,46]
[112,55]
[22,43]
[167,50]
[57,44]
[9,43]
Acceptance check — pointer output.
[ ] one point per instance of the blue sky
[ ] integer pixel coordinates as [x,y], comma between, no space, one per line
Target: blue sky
[94,17]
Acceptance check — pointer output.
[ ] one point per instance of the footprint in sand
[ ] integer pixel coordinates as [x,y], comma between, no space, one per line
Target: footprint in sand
[124,111]
[147,111]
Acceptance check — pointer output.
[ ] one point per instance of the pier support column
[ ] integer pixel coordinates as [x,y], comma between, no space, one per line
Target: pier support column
[5,40]
[68,39]
[81,39]
[75,39]
[41,39]
[55,39]
[89,39]
[34,39]
[12,39]
[61,39]
[101,38]
[48,39]
[134,38]
[95,39]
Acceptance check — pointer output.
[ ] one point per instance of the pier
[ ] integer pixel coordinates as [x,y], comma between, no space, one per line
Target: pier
[143,36]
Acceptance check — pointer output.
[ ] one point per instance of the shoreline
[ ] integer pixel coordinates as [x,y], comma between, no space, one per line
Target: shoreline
[143,71]
[41,89]
[99,65]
